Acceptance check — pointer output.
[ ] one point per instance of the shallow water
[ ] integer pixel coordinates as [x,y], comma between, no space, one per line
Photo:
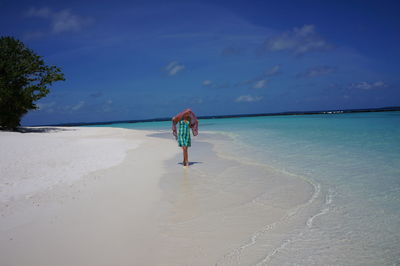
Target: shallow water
[219,210]
[351,160]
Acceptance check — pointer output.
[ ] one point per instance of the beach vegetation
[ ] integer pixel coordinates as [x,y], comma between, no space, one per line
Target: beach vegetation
[24,79]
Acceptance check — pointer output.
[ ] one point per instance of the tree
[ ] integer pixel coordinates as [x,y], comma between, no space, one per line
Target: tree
[24,79]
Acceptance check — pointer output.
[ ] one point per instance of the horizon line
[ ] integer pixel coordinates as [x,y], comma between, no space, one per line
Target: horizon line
[331,111]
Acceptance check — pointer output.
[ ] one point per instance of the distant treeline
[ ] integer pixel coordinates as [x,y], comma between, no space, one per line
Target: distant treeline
[382,109]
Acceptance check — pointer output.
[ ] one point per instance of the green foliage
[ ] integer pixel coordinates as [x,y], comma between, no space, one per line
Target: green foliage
[24,79]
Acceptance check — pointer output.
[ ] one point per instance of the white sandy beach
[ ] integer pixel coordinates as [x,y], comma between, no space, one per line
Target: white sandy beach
[64,201]
[107,196]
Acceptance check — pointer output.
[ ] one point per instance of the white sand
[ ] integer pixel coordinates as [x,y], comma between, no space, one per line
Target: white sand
[82,196]
[107,196]
[31,162]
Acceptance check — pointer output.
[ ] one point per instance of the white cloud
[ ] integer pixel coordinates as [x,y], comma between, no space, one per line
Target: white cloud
[66,21]
[174,68]
[43,12]
[368,85]
[212,84]
[273,71]
[45,105]
[78,106]
[317,71]
[256,83]
[298,41]
[61,21]
[248,98]
[260,84]
[261,80]
[48,107]
[207,83]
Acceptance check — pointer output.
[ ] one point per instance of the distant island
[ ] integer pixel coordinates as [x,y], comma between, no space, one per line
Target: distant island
[381,109]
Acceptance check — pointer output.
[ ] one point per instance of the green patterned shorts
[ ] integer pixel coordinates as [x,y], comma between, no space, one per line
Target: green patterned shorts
[184,134]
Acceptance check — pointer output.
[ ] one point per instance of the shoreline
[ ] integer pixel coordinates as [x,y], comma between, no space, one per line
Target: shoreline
[231,209]
[217,211]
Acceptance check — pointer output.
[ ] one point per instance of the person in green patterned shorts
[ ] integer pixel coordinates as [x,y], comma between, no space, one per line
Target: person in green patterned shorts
[184,137]
[184,122]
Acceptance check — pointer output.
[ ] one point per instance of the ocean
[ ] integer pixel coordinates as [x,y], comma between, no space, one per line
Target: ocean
[352,161]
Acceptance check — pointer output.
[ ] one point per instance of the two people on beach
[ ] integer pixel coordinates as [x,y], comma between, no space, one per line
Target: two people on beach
[185,121]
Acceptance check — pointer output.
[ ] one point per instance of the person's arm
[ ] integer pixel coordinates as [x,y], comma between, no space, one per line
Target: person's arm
[179,117]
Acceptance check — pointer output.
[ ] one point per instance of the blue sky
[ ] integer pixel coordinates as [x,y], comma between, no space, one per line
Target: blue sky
[144,59]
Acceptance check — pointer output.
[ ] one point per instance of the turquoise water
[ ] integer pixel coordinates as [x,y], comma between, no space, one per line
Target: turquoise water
[354,159]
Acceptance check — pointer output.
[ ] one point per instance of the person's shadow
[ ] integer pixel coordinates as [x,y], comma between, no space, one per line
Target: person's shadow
[191,163]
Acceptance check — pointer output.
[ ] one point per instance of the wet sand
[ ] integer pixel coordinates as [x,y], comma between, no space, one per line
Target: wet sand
[226,211]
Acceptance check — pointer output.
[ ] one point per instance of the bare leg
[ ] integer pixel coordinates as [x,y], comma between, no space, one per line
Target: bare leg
[183,152]
[185,156]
